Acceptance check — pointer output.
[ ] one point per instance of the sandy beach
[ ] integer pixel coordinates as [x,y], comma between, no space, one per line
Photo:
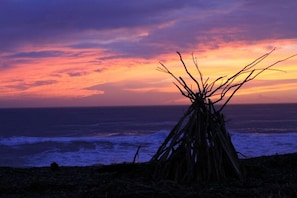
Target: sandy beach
[269,176]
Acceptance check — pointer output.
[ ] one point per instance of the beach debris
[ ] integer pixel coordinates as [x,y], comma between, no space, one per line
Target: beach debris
[54,166]
[136,154]
[199,147]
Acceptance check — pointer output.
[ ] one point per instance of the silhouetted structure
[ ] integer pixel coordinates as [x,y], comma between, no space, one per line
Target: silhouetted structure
[199,147]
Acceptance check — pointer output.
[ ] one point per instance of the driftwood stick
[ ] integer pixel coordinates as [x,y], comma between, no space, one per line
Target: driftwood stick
[186,69]
[136,154]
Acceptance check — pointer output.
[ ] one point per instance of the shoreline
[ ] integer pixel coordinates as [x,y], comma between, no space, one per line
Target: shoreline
[273,176]
[241,157]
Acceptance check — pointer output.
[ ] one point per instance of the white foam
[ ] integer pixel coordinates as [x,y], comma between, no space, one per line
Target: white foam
[256,144]
[83,151]
[105,150]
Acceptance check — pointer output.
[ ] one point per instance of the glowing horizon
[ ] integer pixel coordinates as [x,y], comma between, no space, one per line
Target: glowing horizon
[83,60]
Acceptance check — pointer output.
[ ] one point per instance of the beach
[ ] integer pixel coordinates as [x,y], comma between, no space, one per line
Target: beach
[266,176]
[94,148]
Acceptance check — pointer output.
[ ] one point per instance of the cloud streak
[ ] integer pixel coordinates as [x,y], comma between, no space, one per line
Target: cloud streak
[147,28]
[24,86]
[38,54]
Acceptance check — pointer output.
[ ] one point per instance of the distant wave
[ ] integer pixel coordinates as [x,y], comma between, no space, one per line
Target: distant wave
[83,151]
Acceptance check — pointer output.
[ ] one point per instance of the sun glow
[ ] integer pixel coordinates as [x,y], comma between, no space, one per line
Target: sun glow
[83,74]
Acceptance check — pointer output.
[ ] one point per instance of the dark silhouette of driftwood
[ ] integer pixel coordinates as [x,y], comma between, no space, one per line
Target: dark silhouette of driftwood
[199,147]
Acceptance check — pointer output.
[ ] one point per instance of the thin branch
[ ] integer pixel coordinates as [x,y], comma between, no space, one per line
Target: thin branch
[236,89]
[244,69]
[185,67]
[197,67]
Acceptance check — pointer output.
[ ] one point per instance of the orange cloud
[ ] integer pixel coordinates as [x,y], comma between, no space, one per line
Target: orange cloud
[76,74]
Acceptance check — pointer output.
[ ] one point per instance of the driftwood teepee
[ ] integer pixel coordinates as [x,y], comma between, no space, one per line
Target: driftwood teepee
[199,147]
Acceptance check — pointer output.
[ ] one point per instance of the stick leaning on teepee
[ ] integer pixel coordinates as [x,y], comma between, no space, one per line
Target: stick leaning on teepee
[199,147]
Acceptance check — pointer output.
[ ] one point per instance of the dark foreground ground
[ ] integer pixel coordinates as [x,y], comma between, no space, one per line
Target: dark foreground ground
[271,176]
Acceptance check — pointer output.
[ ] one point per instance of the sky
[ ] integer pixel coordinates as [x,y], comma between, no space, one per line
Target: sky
[106,52]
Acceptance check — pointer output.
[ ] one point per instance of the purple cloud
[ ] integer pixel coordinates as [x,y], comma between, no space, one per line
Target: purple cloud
[75,74]
[38,54]
[23,86]
[170,25]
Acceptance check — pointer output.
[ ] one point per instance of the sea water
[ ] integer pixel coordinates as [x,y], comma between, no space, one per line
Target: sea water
[105,135]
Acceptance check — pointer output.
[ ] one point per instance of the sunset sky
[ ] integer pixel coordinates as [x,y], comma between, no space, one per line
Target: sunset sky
[105,52]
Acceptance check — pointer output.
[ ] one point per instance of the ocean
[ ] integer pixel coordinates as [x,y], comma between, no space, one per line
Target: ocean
[36,137]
